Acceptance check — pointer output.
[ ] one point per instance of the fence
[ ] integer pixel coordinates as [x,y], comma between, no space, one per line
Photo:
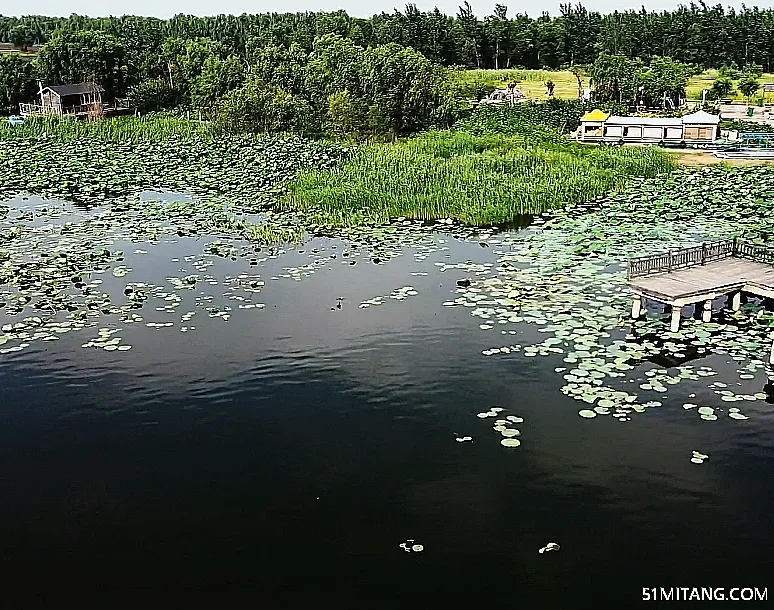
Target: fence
[699,255]
[37,109]
[758,140]
[756,252]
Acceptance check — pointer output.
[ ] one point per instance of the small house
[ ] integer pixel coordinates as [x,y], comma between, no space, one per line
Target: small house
[701,126]
[80,99]
[592,124]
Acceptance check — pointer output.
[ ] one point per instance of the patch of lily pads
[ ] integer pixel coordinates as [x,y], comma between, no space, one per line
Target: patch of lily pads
[698,458]
[504,425]
[565,279]
[558,287]
[399,294]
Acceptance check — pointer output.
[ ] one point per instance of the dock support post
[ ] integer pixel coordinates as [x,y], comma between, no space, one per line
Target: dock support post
[676,311]
[637,306]
[707,314]
[736,300]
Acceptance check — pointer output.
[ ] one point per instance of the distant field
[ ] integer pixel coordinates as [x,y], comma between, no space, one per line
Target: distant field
[7,47]
[704,81]
[531,82]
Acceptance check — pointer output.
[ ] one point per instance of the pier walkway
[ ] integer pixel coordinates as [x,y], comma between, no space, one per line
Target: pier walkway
[702,274]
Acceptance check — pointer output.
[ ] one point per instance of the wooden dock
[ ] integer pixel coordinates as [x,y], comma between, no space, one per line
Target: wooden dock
[702,274]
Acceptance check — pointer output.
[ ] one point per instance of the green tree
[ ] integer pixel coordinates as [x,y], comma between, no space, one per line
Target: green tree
[721,88]
[615,78]
[577,72]
[153,94]
[347,115]
[86,55]
[16,82]
[496,27]
[664,81]
[185,61]
[218,77]
[749,85]
[21,37]
[468,36]
[274,64]
[335,64]
[402,86]
[754,70]
[258,107]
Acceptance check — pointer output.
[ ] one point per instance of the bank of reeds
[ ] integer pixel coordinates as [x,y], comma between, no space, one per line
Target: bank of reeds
[118,129]
[476,179]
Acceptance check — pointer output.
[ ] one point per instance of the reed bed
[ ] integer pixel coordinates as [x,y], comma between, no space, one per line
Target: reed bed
[475,179]
[117,129]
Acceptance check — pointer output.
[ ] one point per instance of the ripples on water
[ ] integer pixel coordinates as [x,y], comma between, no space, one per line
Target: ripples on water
[296,446]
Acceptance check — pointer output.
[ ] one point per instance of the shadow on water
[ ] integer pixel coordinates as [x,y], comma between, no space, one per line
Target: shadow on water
[518,223]
[668,360]
[768,389]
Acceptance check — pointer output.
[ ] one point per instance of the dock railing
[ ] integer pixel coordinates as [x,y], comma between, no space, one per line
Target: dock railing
[674,260]
[756,252]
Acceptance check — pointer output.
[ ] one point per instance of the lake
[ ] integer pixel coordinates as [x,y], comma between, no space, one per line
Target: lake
[281,436]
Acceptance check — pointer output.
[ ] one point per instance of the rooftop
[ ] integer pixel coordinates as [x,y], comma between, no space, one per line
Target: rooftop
[639,120]
[701,118]
[595,115]
[75,89]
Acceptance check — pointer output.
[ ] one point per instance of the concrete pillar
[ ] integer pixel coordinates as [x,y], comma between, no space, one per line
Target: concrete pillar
[736,300]
[676,311]
[637,306]
[707,314]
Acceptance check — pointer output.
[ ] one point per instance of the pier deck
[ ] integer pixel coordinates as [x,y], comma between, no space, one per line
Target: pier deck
[702,282]
[702,274]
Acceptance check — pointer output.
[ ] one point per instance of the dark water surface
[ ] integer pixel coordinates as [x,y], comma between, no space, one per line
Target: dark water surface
[295,447]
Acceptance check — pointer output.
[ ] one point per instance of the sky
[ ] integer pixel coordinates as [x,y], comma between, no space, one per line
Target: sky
[356,8]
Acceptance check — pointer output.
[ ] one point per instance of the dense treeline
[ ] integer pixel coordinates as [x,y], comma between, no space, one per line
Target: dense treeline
[337,88]
[709,35]
[329,73]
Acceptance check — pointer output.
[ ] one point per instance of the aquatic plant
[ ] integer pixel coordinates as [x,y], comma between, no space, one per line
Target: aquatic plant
[475,179]
[566,277]
[89,162]
[151,128]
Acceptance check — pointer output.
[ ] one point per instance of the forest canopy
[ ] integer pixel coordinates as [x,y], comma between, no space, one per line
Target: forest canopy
[390,73]
[712,36]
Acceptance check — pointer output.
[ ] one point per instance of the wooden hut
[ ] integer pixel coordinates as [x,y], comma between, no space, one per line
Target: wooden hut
[80,99]
[701,126]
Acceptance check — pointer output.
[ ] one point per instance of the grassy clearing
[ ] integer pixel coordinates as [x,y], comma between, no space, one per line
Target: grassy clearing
[704,81]
[531,82]
[475,179]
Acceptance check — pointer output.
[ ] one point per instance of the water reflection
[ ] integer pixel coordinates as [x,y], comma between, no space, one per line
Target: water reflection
[298,444]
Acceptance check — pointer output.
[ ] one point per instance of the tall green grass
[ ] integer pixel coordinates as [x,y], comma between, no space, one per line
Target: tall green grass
[512,74]
[117,129]
[477,179]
